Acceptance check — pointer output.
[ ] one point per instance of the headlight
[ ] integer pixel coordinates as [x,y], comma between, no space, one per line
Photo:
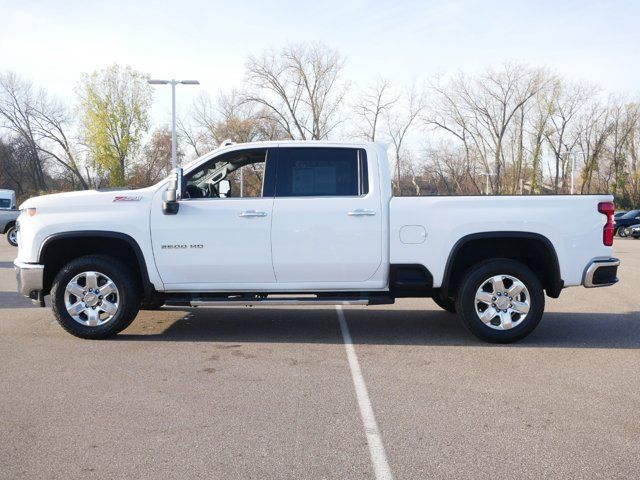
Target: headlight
[29,211]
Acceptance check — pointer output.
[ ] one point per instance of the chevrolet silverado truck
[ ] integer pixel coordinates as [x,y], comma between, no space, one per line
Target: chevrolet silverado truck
[322,228]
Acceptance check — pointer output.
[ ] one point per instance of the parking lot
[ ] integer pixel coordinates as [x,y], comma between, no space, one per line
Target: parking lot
[259,393]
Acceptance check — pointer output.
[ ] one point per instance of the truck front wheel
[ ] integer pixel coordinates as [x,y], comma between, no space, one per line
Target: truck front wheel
[500,300]
[94,297]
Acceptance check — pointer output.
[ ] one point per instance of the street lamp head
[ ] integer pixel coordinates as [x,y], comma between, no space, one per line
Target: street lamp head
[173,84]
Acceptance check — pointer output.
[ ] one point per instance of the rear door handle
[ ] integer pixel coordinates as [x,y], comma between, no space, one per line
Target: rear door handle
[252,213]
[361,212]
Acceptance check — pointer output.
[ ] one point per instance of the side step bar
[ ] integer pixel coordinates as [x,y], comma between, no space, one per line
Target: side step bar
[279,301]
[217,300]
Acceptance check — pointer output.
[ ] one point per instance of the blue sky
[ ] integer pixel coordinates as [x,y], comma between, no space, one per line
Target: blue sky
[53,42]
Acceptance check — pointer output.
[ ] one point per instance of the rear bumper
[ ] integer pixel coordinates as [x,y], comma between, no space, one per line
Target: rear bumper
[29,277]
[601,273]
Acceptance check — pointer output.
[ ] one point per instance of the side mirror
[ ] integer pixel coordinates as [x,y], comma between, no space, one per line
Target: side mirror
[171,205]
[224,188]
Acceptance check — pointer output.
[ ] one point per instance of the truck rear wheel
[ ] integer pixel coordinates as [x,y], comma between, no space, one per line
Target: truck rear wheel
[12,236]
[94,297]
[500,300]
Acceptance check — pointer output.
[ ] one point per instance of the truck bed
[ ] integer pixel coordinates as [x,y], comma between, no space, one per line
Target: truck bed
[424,229]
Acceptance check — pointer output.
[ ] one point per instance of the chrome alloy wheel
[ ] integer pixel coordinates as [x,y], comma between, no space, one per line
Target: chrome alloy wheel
[91,298]
[502,302]
[13,236]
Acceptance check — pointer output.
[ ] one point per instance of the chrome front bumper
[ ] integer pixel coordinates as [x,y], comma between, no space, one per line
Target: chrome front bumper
[29,277]
[601,273]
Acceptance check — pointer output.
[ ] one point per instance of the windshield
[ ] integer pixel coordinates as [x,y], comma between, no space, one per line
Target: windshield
[631,214]
[5,203]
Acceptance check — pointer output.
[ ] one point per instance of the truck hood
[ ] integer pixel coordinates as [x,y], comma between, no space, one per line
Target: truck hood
[89,198]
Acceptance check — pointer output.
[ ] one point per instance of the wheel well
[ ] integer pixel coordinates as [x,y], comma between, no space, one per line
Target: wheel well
[12,223]
[57,252]
[535,251]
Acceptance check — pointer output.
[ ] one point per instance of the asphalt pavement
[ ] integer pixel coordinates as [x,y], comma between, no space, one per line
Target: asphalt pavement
[261,393]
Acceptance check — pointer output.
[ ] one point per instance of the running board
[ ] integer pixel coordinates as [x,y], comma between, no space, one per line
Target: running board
[217,300]
[279,301]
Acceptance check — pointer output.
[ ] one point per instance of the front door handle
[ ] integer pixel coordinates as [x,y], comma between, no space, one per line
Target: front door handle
[252,213]
[361,212]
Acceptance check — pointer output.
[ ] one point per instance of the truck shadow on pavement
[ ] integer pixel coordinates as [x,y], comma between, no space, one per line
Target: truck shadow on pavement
[378,327]
[14,300]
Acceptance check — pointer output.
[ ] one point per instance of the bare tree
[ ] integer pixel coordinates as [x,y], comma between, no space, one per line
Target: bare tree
[624,119]
[495,99]
[227,117]
[448,165]
[446,114]
[46,127]
[592,129]
[537,126]
[18,101]
[563,103]
[372,104]
[485,113]
[399,123]
[14,166]
[301,88]
[53,125]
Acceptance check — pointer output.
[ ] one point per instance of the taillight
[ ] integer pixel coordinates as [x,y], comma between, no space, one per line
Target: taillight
[607,208]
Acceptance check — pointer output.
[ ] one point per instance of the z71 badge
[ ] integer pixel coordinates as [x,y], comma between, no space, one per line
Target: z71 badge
[127,198]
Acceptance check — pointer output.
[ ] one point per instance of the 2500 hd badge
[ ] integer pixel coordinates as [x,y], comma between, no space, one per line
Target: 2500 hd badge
[181,246]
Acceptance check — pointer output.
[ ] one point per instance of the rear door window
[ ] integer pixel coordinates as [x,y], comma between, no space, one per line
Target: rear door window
[321,172]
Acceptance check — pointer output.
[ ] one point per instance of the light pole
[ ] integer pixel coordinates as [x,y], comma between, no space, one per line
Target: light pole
[487,174]
[573,165]
[173,83]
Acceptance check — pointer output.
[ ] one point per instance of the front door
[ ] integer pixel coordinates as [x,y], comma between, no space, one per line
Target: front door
[214,241]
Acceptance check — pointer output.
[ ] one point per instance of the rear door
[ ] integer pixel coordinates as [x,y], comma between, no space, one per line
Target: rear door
[327,222]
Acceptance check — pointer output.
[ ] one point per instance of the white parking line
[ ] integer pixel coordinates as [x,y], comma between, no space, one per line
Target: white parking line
[376,449]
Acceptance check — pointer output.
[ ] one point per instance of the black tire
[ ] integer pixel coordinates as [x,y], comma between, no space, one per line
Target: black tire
[128,296]
[622,232]
[476,277]
[153,304]
[446,304]
[11,236]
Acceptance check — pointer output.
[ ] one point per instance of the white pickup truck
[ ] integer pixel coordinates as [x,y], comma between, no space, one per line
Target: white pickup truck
[324,228]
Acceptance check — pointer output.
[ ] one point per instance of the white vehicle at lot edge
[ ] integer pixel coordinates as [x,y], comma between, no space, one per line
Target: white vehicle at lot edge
[325,229]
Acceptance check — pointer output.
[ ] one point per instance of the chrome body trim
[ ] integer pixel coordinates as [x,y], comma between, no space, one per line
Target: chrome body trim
[593,267]
[29,277]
